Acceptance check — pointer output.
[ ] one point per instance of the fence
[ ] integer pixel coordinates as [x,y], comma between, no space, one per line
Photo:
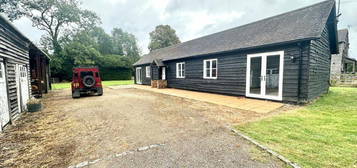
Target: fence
[344,80]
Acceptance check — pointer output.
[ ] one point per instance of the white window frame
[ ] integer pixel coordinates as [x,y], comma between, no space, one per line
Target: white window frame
[205,75]
[138,76]
[179,72]
[148,71]
[163,73]
[263,94]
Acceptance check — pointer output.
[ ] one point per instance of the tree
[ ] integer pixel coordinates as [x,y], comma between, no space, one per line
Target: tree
[52,16]
[125,44]
[58,18]
[95,47]
[9,5]
[163,36]
[104,43]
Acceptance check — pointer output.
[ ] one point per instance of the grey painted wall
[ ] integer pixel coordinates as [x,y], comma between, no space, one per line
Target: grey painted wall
[336,60]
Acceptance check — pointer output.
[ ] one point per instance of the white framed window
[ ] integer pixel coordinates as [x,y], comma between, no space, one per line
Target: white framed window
[148,72]
[180,70]
[210,69]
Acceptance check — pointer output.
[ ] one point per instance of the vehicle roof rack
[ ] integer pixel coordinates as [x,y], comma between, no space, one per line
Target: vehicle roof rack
[86,66]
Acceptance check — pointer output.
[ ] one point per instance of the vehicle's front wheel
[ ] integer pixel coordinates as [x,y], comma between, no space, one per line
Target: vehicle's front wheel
[76,94]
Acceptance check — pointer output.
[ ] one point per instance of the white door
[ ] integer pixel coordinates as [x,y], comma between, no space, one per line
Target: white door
[4,103]
[138,75]
[18,87]
[163,77]
[265,75]
[24,82]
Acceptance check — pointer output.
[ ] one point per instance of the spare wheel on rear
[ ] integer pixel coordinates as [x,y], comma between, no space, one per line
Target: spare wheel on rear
[88,81]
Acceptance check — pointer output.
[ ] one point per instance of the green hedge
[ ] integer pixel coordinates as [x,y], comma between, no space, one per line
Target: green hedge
[116,73]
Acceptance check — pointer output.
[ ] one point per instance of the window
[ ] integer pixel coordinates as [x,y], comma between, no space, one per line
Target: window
[86,73]
[163,75]
[148,71]
[210,69]
[180,70]
[22,71]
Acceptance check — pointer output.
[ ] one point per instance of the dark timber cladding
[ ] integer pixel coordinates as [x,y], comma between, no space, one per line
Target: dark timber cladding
[15,53]
[232,72]
[307,37]
[15,50]
[39,68]
[319,69]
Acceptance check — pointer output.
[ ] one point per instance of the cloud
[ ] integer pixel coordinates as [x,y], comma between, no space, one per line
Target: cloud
[192,19]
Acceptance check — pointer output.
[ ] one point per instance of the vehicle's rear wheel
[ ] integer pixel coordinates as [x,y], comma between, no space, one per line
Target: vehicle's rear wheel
[76,94]
[100,91]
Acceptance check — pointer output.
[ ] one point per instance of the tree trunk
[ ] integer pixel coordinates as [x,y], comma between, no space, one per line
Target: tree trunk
[56,47]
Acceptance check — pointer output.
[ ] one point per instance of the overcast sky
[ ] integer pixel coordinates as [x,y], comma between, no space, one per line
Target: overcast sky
[192,19]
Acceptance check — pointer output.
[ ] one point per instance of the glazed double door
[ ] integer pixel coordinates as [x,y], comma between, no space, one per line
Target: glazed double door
[138,75]
[265,75]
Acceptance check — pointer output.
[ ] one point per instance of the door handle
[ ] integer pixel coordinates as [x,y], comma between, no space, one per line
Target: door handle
[263,78]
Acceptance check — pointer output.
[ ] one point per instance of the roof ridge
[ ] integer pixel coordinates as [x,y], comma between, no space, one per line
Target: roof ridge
[271,17]
[325,5]
[316,4]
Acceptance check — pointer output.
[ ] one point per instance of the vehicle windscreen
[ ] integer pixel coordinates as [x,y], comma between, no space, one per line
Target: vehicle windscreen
[86,73]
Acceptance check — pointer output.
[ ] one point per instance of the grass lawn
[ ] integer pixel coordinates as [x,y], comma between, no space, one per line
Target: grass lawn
[56,86]
[323,134]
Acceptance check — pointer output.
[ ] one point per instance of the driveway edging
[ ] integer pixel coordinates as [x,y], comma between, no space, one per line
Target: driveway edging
[264,148]
[140,149]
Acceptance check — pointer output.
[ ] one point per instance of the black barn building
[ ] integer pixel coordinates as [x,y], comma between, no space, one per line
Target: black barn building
[16,81]
[282,58]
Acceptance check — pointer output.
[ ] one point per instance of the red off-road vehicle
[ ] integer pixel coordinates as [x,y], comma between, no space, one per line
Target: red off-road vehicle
[86,80]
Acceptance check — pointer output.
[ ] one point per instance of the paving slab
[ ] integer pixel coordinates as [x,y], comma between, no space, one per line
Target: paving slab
[243,103]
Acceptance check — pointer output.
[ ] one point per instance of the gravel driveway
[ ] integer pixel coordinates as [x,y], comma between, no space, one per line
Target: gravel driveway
[70,131]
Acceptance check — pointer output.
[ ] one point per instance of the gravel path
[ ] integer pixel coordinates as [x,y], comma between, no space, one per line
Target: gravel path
[218,148]
[71,131]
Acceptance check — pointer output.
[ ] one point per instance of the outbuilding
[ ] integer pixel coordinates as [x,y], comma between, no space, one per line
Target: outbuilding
[15,79]
[281,58]
[39,71]
[342,63]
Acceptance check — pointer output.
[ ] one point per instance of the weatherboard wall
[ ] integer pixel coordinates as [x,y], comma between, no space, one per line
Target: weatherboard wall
[319,66]
[14,50]
[232,67]
[154,72]
[144,79]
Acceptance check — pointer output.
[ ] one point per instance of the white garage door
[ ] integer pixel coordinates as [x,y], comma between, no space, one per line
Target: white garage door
[4,103]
